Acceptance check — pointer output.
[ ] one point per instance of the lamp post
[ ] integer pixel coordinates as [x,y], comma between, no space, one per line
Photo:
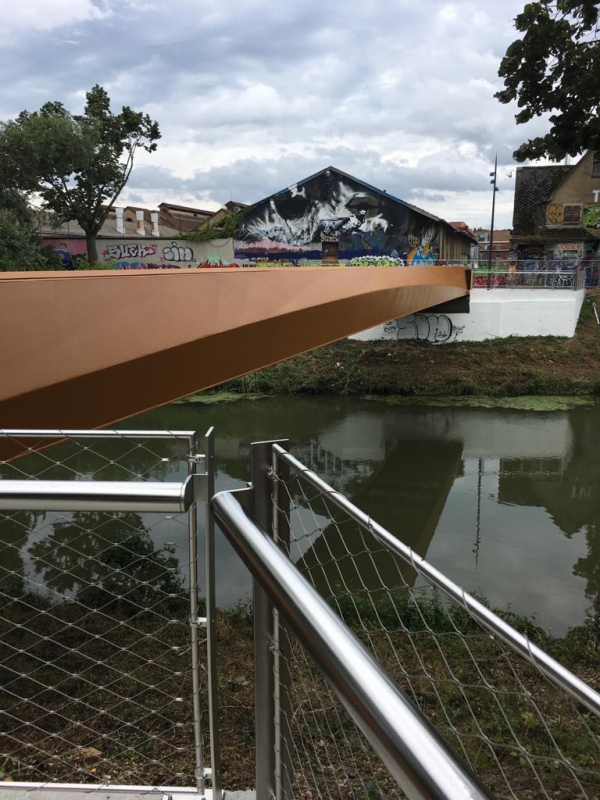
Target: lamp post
[493,176]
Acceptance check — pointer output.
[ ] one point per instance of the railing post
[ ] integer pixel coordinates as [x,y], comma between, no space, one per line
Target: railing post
[211,622]
[194,622]
[283,680]
[268,742]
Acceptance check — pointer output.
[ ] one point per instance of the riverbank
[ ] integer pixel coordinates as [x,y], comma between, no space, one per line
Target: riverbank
[496,368]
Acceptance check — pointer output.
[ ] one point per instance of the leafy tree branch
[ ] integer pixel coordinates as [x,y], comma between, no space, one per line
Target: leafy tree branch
[555,69]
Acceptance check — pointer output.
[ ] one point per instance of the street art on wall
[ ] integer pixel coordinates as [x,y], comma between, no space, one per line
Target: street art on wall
[555,214]
[569,254]
[177,254]
[116,252]
[591,216]
[432,328]
[334,207]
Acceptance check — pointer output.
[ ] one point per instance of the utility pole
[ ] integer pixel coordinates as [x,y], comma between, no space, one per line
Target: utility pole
[493,176]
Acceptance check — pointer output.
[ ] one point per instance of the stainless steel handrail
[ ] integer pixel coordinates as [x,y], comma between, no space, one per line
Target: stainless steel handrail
[32,495]
[551,668]
[105,433]
[414,753]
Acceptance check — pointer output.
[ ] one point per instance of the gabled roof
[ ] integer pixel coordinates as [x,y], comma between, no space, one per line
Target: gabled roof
[381,193]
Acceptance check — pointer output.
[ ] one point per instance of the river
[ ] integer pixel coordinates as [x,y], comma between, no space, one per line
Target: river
[505,502]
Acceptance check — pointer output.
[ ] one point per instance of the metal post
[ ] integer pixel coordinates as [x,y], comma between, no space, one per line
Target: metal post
[211,613]
[283,680]
[193,551]
[493,176]
[264,633]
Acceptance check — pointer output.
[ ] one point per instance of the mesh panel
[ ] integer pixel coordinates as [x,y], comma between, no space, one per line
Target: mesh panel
[95,667]
[519,732]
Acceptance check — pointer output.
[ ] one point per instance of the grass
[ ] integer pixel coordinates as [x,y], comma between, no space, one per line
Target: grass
[79,679]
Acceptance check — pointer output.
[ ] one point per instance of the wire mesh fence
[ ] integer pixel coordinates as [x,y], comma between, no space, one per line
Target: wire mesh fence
[524,735]
[528,279]
[96,675]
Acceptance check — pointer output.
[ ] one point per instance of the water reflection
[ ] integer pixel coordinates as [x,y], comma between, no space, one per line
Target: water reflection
[505,502]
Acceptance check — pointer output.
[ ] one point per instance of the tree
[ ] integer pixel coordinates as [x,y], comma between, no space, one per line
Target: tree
[78,164]
[19,240]
[555,68]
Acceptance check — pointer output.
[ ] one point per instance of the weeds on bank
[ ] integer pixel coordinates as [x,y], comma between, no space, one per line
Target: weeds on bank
[505,719]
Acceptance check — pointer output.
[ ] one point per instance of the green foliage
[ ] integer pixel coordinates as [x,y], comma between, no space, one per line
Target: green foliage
[555,68]
[78,164]
[20,244]
[223,230]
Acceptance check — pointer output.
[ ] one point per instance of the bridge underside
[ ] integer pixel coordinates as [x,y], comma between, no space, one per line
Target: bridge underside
[86,349]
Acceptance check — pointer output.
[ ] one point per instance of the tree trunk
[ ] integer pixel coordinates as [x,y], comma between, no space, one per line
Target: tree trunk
[92,252]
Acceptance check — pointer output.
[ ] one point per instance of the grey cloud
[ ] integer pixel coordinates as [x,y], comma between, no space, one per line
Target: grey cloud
[292,87]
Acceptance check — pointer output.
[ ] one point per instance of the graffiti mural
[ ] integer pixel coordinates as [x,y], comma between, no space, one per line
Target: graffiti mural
[177,253]
[591,216]
[332,206]
[116,252]
[432,328]
[555,214]
[568,255]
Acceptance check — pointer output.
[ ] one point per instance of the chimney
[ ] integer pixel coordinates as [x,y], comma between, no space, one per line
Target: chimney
[154,218]
[120,226]
[141,230]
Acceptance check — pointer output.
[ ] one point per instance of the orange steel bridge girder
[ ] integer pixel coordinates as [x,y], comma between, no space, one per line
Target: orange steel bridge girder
[87,349]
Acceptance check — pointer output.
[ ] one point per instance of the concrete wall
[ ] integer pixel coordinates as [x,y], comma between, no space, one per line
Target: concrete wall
[148,252]
[494,314]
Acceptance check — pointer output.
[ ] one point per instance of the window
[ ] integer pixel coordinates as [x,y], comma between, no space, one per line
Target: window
[572,214]
[596,168]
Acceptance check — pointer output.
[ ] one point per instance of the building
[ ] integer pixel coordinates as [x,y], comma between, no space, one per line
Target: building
[556,220]
[501,252]
[332,217]
[136,238]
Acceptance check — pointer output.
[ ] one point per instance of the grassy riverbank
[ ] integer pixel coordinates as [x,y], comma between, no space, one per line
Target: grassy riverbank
[98,707]
[497,368]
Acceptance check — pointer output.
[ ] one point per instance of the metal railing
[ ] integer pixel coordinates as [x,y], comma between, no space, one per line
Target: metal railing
[528,279]
[374,673]
[101,680]
[526,725]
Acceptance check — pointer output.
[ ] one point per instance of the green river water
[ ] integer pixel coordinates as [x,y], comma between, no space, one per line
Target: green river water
[504,501]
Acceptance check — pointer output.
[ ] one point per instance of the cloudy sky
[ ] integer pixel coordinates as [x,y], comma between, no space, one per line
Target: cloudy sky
[253,95]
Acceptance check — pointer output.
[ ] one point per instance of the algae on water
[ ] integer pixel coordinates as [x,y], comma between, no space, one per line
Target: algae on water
[524,403]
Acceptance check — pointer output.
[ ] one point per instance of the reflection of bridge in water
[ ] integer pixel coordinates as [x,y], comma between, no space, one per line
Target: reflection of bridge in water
[363,455]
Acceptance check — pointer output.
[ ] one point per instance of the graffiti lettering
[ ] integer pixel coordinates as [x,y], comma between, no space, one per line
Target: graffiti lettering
[116,252]
[177,253]
[555,214]
[432,328]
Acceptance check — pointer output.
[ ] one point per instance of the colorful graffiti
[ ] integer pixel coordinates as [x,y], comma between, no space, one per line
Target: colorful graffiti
[421,256]
[375,261]
[591,216]
[332,206]
[555,214]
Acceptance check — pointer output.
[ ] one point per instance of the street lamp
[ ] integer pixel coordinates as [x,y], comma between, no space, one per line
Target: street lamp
[493,176]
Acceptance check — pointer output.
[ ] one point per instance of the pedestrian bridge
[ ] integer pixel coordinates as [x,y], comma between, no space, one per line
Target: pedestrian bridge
[86,349]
